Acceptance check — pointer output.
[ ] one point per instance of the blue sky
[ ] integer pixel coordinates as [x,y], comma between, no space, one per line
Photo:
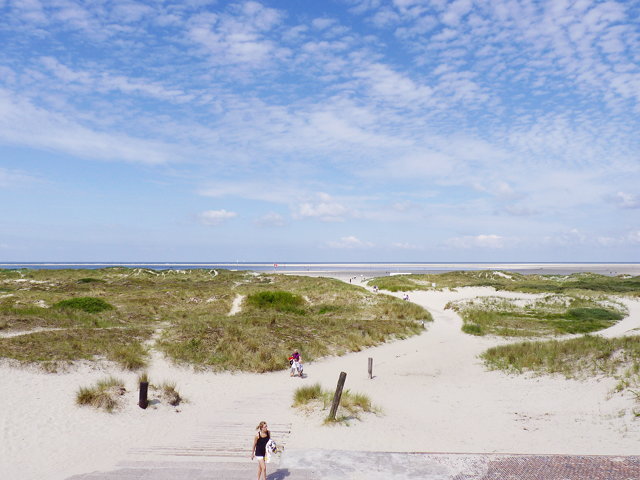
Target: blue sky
[306,130]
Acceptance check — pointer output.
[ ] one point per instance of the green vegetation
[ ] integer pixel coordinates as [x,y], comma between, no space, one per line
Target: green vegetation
[585,355]
[54,348]
[86,304]
[318,316]
[590,282]
[398,283]
[304,395]
[550,315]
[280,301]
[618,358]
[352,405]
[106,394]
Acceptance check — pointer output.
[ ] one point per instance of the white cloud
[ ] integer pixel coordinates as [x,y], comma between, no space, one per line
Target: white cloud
[350,242]
[239,36]
[14,178]
[22,123]
[456,10]
[478,241]
[627,200]
[325,209]
[405,246]
[104,82]
[323,23]
[215,217]
[271,191]
[569,237]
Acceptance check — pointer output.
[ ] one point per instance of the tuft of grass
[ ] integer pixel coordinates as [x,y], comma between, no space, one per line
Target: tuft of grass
[169,393]
[132,356]
[85,304]
[306,394]
[106,394]
[277,300]
[352,405]
[143,377]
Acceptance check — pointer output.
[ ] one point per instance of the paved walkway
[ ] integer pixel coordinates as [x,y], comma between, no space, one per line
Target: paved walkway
[342,465]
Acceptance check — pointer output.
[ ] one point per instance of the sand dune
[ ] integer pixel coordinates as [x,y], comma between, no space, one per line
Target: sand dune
[435,395]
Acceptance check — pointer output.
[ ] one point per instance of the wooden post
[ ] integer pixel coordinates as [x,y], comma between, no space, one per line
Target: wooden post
[142,402]
[337,396]
[370,368]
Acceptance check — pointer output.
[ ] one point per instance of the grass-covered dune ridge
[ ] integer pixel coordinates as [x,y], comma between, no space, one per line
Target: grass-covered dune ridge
[509,281]
[577,357]
[549,315]
[110,313]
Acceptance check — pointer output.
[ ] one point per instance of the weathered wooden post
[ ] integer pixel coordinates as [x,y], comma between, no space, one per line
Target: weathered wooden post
[370,368]
[337,396]
[142,401]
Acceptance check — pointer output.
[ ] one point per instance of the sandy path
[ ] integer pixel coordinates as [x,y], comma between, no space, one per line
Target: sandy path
[438,397]
[236,306]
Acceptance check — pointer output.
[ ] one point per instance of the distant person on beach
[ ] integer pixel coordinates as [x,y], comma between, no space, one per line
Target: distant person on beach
[296,364]
[259,449]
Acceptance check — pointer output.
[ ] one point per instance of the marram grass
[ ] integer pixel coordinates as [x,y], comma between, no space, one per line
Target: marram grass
[105,394]
[351,406]
[318,316]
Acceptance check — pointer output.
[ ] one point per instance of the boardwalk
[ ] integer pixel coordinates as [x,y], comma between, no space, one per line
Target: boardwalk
[341,465]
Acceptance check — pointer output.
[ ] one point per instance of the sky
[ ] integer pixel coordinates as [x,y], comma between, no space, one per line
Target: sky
[321,131]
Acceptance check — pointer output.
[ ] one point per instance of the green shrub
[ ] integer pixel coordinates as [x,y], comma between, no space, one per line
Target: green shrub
[86,304]
[472,329]
[278,300]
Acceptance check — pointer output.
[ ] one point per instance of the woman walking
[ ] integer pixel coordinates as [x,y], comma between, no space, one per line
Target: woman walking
[259,449]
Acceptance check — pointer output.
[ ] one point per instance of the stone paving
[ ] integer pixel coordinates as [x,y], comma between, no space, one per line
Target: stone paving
[344,465]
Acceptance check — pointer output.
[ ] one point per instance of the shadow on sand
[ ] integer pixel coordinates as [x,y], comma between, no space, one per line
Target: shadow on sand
[279,475]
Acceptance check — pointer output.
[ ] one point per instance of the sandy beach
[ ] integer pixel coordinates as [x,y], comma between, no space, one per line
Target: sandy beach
[434,393]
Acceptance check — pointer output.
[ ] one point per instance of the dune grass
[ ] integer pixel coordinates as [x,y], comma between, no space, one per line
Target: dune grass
[582,357]
[170,394]
[318,316]
[576,357]
[549,315]
[352,405]
[278,300]
[105,395]
[53,349]
[532,283]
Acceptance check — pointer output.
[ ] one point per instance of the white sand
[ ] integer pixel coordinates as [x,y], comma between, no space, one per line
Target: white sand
[435,394]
